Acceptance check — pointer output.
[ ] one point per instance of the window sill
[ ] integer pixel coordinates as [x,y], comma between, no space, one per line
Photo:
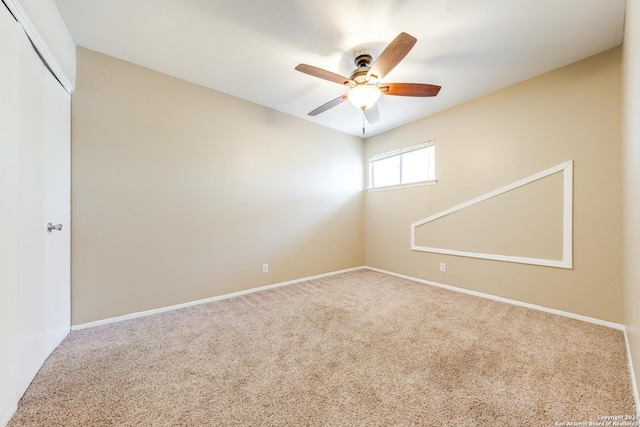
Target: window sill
[413,184]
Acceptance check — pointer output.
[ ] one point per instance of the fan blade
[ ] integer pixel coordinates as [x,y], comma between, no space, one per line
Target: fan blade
[323,74]
[391,56]
[372,114]
[330,104]
[409,89]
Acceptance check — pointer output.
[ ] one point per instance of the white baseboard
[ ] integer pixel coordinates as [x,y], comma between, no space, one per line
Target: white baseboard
[414,279]
[634,385]
[204,301]
[506,300]
[333,273]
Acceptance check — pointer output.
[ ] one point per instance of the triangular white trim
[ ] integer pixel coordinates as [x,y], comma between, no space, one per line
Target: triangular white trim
[567,235]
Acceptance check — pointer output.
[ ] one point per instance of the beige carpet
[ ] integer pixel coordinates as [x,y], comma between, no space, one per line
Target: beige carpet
[356,349]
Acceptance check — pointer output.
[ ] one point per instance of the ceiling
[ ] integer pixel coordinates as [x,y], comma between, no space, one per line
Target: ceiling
[249,48]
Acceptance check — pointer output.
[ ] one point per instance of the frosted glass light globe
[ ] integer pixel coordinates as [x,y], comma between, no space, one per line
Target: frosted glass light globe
[364,96]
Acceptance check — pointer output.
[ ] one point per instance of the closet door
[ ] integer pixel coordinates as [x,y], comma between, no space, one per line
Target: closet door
[56,298]
[35,191]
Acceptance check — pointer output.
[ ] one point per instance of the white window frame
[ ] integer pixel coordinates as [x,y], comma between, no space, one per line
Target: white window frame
[399,153]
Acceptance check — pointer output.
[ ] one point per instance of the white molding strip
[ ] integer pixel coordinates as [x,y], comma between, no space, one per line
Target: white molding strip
[38,42]
[567,239]
[634,384]
[505,300]
[205,300]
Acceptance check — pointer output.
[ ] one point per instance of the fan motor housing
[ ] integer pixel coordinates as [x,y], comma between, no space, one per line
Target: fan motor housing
[363,60]
[363,63]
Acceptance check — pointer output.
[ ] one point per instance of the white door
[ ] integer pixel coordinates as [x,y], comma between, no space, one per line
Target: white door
[56,297]
[35,190]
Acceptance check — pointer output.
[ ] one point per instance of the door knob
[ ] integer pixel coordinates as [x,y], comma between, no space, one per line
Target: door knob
[51,227]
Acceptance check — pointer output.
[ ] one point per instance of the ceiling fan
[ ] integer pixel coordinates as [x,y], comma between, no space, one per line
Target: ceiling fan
[365,81]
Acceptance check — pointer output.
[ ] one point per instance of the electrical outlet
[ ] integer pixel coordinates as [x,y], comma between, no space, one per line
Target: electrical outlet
[443,267]
[265,268]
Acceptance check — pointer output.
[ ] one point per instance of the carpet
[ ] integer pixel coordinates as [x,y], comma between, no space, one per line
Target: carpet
[354,349]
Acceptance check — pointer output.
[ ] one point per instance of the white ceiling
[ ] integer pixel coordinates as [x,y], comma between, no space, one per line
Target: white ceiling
[249,48]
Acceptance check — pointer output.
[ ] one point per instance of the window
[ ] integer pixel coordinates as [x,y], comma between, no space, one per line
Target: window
[411,165]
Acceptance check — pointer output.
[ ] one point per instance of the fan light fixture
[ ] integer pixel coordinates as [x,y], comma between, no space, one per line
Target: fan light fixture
[364,96]
[365,82]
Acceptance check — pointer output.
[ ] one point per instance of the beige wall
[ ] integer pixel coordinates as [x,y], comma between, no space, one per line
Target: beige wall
[572,113]
[181,193]
[631,182]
